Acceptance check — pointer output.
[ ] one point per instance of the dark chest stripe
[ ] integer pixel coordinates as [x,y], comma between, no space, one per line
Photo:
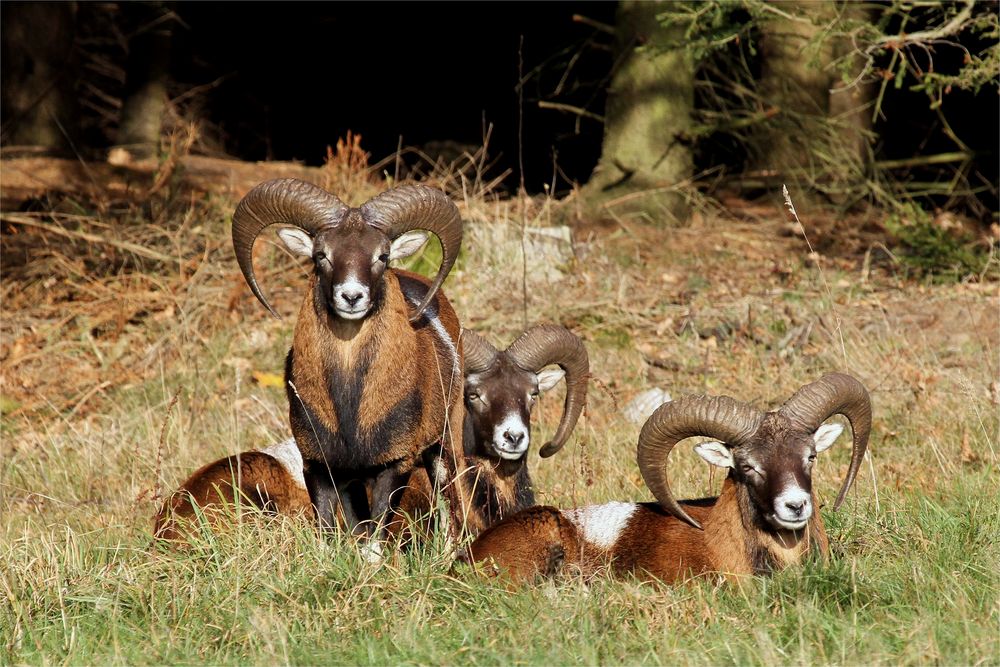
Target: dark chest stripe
[352,447]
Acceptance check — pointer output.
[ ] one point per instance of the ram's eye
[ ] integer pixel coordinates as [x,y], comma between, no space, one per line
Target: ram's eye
[747,468]
[319,257]
[812,457]
[384,258]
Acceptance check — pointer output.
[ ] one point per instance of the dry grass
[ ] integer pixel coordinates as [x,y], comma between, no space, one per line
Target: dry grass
[96,341]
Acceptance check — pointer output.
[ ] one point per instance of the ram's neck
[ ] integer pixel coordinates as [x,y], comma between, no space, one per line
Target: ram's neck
[818,541]
[772,550]
[343,340]
[725,533]
[742,543]
[498,488]
[336,363]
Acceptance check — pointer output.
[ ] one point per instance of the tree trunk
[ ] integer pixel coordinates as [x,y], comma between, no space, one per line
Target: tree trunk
[794,79]
[819,140]
[39,73]
[645,154]
[146,79]
[851,105]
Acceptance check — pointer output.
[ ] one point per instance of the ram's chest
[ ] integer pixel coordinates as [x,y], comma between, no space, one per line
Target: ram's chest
[352,418]
[490,496]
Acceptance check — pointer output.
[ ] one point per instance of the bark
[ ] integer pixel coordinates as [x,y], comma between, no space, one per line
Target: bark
[25,178]
[644,154]
[851,101]
[38,70]
[797,81]
[146,79]
[819,137]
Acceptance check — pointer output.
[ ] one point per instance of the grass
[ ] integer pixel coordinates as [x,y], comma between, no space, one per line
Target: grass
[278,594]
[912,579]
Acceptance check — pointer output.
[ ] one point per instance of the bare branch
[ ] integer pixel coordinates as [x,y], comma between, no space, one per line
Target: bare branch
[569,108]
[952,27]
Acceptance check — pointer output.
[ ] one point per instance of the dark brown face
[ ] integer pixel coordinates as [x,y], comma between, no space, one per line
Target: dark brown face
[350,261]
[499,402]
[776,469]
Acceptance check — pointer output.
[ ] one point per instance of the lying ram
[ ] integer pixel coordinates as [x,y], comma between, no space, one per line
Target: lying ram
[765,518]
[501,388]
[269,479]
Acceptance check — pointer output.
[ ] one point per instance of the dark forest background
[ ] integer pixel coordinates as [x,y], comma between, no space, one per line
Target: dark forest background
[283,81]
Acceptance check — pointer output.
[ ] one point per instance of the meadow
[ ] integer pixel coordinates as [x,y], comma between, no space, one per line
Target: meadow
[134,356]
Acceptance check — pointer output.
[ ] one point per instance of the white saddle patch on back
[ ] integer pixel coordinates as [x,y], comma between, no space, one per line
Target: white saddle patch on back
[601,525]
[288,455]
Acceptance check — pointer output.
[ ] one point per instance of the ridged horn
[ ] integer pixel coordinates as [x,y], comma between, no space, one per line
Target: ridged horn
[547,344]
[409,207]
[832,394]
[282,201]
[478,353]
[718,417]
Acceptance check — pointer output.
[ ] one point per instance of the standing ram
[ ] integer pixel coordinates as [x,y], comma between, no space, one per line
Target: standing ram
[374,373]
[501,388]
[765,519]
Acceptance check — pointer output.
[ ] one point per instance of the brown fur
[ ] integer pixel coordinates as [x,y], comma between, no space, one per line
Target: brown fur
[479,475]
[402,362]
[404,358]
[653,544]
[524,547]
[253,478]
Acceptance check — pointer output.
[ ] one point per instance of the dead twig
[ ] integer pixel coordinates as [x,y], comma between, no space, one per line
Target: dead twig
[157,487]
[133,248]
[569,108]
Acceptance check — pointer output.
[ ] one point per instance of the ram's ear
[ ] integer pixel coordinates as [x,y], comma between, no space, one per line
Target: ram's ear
[716,453]
[826,435]
[549,378]
[297,241]
[407,244]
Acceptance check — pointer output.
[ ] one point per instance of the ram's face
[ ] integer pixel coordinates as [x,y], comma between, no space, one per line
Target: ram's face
[350,262]
[499,403]
[776,469]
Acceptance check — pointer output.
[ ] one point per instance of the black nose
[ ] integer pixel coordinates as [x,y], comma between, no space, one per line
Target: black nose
[796,508]
[351,297]
[513,438]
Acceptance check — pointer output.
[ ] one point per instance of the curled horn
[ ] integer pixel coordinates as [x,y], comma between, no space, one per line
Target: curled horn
[409,207]
[283,201]
[551,344]
[479,354]
[832,394]
[719,417]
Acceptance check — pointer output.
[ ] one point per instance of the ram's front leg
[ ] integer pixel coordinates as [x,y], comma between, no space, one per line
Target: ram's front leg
[323,494]
[388,486]
[330,498]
